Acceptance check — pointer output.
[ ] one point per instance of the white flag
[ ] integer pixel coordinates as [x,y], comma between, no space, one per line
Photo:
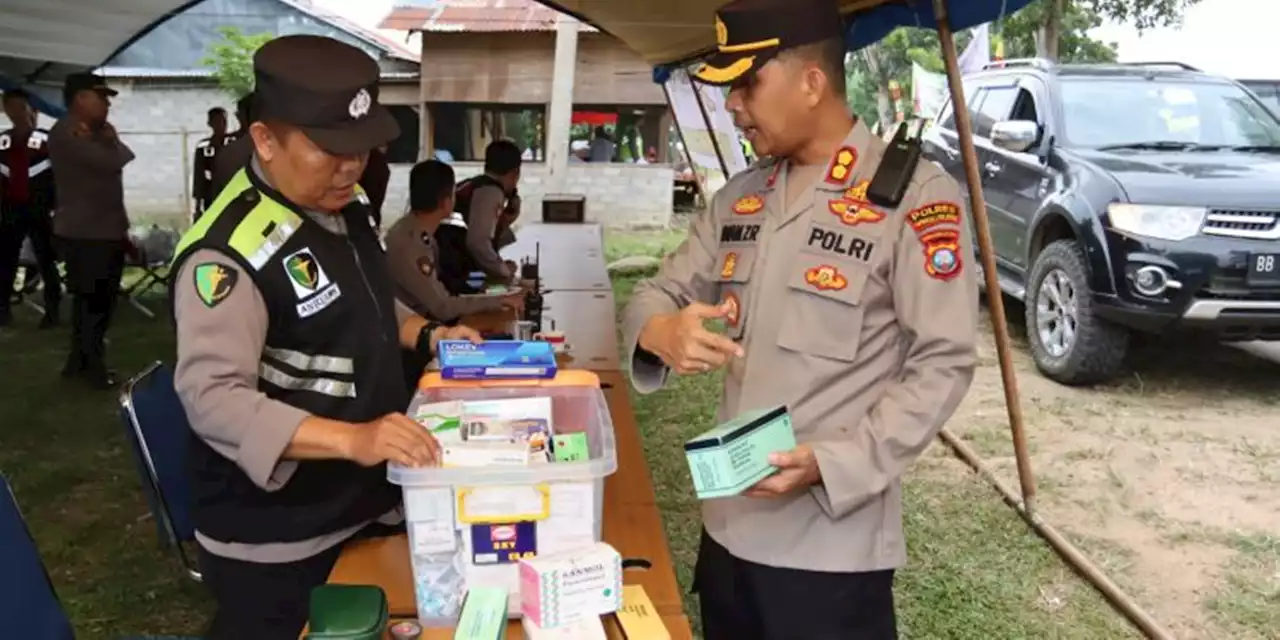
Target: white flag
[978,54]
[929,91]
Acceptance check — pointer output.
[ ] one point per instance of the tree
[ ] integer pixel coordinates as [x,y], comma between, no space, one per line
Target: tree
[232,60]
[892,57]
[1142,14]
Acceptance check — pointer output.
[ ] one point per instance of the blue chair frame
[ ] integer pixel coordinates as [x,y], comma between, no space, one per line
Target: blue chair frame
[171,530]
[36,608]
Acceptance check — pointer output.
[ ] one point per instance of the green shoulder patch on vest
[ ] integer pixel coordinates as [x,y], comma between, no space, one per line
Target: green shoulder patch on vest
[214,282]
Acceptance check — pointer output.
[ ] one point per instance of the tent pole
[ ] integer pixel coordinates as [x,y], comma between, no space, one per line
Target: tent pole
[995,301]
[711,131]
[684,147]
[1119,599]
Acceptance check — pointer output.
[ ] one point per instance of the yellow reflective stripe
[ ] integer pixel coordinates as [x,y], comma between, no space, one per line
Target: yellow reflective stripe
[238,184]
[750,46]
[251,239]
[726,75]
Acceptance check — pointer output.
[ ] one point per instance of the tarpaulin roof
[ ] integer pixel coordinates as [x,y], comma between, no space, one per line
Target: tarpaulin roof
[669,31]
[43,40]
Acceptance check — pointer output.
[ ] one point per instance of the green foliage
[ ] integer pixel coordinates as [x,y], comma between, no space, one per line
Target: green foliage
[1074,44]
[232,60]
[1142,14]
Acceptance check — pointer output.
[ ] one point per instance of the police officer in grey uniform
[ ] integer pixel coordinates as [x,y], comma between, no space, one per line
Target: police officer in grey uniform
[415,259]
[859,316]
[289,345]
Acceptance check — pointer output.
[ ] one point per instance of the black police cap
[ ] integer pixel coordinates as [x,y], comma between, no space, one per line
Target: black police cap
[750,33]
[325,87]
[77,82]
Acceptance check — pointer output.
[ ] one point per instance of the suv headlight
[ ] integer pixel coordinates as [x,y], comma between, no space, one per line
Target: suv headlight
[1154,221]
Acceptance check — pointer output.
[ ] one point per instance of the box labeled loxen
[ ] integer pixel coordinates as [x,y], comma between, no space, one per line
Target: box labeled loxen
[732,457]
[496,360]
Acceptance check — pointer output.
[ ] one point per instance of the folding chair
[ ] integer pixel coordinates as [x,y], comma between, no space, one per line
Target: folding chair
[157,427]
[29,606]
[154,249]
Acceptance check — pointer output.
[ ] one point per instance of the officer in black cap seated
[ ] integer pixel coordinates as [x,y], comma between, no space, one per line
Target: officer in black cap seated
[289,346]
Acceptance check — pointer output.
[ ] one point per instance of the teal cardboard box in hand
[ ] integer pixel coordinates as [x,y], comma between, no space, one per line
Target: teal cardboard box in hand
[729,459]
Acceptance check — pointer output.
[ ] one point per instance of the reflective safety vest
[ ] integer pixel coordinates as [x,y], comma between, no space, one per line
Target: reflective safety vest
[332,349]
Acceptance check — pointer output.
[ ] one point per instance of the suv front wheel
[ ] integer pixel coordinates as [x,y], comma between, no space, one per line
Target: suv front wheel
[1068,342]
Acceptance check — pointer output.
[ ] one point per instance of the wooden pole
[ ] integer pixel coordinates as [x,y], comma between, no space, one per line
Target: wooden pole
[995,300]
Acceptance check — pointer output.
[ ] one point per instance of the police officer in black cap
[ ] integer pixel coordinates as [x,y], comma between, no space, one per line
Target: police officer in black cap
[289,345]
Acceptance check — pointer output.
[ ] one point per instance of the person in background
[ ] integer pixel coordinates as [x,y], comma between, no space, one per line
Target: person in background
[414,256]
[27,197]
[374,180]
[483,200]
[602,147]
[202,168]
[92,225]
[289,344]
[236,154]
[859,317]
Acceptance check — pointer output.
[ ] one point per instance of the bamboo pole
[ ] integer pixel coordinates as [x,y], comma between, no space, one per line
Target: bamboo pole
[995,301]
[1113,593]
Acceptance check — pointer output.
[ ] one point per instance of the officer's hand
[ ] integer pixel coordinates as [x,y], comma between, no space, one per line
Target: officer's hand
[797,471]
[394,438]
[684,344]
[512,269]
[459,332]
[514,301]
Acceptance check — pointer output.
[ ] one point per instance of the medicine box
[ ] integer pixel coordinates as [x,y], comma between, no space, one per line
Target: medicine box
[484,615]
[496,359]
[561,589]
[732,457]
[638,617]
[584,629]
[481,521]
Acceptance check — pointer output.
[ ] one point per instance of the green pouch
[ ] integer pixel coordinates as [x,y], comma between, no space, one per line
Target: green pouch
[348,612]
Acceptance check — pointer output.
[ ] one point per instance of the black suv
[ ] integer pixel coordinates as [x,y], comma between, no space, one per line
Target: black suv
[1124,198]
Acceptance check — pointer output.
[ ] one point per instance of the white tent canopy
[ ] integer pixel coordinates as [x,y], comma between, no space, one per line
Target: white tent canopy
[43,40]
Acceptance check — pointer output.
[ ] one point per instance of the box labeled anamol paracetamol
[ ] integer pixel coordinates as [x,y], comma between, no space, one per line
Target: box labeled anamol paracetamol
[728,459]
[496,359]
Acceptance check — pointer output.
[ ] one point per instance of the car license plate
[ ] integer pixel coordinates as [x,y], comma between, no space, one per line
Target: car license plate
[1264,270]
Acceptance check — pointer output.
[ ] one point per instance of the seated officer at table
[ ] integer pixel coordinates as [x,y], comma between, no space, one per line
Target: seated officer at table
[289,346]
[859,317]
[486,203]
[414,257]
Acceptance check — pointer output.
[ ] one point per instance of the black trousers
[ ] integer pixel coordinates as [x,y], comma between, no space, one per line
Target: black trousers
[262,601]
[17,223]
[94,269]
[746,601]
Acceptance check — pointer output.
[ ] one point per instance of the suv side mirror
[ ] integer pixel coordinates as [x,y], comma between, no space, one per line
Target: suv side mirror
[1015,135]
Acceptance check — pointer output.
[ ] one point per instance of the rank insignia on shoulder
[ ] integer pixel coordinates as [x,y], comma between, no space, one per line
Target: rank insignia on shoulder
[853,208]
[733,313]
[842,165]
[214,282]
[942,254]
[825,278]
[748,205]
[730,265]
[424,265]
[934,214]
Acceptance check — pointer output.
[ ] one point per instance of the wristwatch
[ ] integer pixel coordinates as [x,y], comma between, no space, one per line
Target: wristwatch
[423,346]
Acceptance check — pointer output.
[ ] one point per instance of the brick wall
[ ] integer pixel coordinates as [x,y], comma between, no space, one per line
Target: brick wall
[162,122]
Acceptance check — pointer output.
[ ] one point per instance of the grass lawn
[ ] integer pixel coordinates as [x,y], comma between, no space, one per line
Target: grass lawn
[976,571]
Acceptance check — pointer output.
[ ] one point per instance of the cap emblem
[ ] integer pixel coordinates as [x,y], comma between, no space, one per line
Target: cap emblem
[360,104]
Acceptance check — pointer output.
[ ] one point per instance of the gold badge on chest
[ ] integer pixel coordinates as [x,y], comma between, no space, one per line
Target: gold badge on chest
[748,205]
[730,265]
[825,278]
[853,208]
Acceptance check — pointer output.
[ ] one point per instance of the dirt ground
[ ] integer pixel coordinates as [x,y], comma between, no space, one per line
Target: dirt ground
[1168,478]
